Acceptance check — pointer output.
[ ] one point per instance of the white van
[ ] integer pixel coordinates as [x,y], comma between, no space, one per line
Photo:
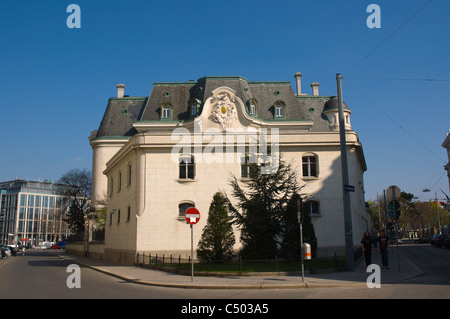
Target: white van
[45,245]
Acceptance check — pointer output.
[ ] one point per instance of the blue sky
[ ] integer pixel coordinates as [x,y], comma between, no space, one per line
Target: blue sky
[55,81]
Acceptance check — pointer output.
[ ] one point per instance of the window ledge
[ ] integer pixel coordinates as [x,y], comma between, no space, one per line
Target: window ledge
[312,178]
[245,179]
[186,180]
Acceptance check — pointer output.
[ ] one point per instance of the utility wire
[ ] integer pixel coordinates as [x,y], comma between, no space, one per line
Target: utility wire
[398,124]
[397,79]
[388,37]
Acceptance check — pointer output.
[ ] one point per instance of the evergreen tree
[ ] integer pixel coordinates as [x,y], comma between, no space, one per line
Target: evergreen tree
[263,204]
[217,239]
[290,245]
[75,219]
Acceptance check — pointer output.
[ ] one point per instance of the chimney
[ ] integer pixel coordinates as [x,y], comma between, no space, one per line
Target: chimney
[298,77]
[120,90]
[315,88]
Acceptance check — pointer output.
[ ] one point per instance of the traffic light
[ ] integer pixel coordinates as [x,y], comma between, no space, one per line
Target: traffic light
[394,209]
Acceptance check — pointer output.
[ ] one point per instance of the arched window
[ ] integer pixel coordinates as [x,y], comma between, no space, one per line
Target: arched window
[310,166]
[186,167]
[312,207]
[183,207]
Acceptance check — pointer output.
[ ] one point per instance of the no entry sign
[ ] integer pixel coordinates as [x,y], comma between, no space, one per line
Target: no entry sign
[192,215]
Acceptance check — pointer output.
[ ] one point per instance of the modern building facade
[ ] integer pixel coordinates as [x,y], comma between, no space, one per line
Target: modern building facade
[32,212]
[156,156]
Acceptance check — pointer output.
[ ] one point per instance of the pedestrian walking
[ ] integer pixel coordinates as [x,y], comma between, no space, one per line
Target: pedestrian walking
[3,253]
[366,244]
[383,244]
[374,236]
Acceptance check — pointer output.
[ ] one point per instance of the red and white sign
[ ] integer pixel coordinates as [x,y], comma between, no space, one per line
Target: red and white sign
[192,215]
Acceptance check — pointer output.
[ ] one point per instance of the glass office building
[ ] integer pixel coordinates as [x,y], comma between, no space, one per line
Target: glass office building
[32,212]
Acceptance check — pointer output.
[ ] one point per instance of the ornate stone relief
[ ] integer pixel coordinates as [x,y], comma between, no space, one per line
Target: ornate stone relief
[223,110]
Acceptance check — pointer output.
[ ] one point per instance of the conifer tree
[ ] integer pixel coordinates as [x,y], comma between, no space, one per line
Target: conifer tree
[290,244]
[216,243]
[261,208]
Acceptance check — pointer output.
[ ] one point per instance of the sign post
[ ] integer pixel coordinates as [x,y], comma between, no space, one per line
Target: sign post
[299,216]
[394,193]
[192,216]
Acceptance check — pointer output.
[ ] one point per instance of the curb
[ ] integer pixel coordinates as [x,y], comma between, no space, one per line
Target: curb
[193,285]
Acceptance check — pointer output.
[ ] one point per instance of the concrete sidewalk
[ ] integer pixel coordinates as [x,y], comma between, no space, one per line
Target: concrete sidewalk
[359,277]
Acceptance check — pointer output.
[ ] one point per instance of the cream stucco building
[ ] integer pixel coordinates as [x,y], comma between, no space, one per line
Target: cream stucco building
[155,156]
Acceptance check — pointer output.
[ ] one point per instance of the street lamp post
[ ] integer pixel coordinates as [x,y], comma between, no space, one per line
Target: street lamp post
[345,181]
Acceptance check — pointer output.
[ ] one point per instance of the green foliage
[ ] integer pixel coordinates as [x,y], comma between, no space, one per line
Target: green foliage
[290,244]
[217,239]
[75,219]
[261,210]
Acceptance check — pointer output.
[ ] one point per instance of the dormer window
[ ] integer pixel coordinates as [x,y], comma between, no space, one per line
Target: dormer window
[279,110]
[166,111]
[194,105]
[251,107]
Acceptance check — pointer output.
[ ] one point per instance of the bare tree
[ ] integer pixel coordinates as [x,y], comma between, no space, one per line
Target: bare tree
[76,185]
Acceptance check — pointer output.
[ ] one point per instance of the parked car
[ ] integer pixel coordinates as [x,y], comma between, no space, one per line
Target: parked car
[394,241]
[7,251]
[14,249]
[424,240]
[440,240]
[433,240]
[447,242]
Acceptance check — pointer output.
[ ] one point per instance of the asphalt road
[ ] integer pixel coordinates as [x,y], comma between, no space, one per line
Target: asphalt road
[40,275]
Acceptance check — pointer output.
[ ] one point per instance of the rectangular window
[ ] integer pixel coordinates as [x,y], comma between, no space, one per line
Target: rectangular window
[37,202]
[252,109]
[312,207]
[111,186]
[309,166]
[245,169]
[187,168]
[129,174]
[30,200]
[165,112]
[278,111]
[129,213]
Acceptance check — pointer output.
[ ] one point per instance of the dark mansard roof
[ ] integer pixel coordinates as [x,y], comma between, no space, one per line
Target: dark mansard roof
[122,112]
